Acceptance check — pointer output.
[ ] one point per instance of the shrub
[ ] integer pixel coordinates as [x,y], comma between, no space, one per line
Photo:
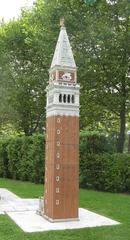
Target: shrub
[95,142]
[105,172]
[4,171]
[14,156]
[22,158]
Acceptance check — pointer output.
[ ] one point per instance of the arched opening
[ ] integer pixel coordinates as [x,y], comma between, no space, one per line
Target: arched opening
[64,98]
[68,99]
[60,98]
[72,99]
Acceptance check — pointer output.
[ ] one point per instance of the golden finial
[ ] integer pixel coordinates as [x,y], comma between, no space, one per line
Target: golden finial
[62,22]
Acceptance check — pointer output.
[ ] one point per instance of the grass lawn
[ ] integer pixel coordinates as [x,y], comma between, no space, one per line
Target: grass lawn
[115,206]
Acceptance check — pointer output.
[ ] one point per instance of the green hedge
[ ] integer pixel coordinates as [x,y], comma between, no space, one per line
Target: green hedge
[23,158]
[4,160]
[95,142]
[105,172]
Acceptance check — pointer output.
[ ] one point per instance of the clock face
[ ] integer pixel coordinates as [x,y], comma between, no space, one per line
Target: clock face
[66,77]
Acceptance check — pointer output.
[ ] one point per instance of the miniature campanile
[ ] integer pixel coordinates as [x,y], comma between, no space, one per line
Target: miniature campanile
[62,135]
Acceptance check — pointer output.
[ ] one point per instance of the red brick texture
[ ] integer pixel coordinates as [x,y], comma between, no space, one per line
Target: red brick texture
[62,167]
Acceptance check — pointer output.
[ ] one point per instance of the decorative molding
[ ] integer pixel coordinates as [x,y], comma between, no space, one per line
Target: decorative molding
[62,113]
[62,86]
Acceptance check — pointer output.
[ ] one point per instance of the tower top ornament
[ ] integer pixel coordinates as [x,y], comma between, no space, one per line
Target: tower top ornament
[62,22]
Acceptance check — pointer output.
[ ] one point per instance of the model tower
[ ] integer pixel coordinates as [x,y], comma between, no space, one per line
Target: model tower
[62,135]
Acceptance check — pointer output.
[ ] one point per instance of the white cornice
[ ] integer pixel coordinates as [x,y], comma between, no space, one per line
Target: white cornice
[63,112]
[63,86]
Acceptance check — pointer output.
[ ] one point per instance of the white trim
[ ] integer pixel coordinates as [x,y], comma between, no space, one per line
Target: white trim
[58,120]
[62,68]
[57,202]
[57,166]
[57,178]
[62,86]
[57,189]
[58,131]
[58,155]
[62,112]
[58,143]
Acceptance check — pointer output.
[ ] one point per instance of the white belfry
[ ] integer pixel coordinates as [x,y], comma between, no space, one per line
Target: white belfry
[63,90]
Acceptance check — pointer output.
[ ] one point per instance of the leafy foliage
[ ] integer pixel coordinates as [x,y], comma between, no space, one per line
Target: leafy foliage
[95,142]
[105,172]
[99,34]
[23,158]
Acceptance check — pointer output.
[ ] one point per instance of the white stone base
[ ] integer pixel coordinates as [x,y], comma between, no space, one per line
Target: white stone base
[23,213]
[29,221]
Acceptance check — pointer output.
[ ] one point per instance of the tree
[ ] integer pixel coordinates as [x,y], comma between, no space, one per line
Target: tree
[100,38]
[5,75]
[110,55]
[99,34]
[27,94]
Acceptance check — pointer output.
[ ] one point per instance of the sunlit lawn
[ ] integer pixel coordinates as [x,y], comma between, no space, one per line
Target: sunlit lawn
[115,206]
